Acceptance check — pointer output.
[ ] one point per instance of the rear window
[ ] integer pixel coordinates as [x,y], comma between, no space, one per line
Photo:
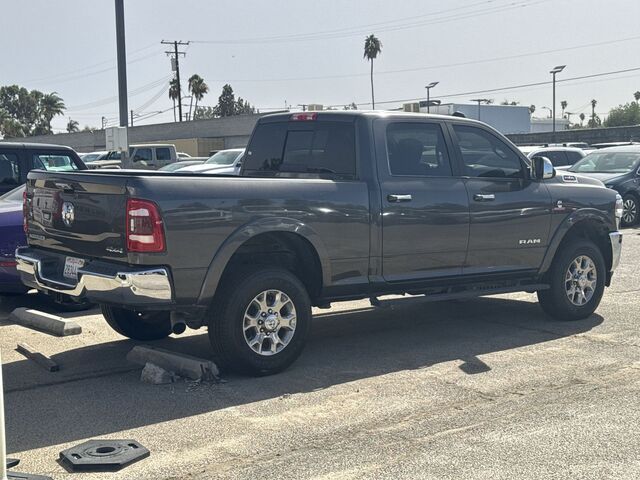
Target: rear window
[309,148]
[163,154]
[54,162]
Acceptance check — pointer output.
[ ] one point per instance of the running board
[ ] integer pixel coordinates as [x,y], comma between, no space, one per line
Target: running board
[471,293]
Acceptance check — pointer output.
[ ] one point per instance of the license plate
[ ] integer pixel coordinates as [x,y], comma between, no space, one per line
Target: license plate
[71,266]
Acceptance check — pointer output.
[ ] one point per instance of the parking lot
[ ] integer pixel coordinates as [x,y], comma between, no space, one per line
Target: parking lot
[484,388]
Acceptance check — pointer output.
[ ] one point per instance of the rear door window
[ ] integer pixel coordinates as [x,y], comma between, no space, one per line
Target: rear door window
[163,154]
[557,157]
[417,149]
[312,148]
[574,157]
[142,154]
[9,169]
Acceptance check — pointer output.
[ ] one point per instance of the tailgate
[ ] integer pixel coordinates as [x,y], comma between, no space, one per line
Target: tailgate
[77,213]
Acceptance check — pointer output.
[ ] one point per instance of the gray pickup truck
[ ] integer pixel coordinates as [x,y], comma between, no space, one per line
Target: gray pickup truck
[329,206]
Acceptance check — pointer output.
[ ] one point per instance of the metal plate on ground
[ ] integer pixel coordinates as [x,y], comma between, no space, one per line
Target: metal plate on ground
[25,476]
[103,455]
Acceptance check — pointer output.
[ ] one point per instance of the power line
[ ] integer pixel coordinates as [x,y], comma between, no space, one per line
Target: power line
[363,29]
[114,99]
[175,57]
[440,66]
[512,87]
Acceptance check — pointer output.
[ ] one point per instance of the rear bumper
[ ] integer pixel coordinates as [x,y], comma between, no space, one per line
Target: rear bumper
[98,282]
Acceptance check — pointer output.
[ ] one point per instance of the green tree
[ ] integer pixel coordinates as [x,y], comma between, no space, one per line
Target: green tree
[50,106]
[563,105]
[174,93]
[244,108]
[623,115]
[226,102]
[595,120]
[636,95]
[204,113]
[507,102]
[72,126]
[198,89]
[532,108]
[351,106]
[372,48]
[582,117]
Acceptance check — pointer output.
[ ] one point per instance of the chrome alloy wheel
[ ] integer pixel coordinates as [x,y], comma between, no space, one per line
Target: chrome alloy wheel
[581,280]
[629,211]
[269,322]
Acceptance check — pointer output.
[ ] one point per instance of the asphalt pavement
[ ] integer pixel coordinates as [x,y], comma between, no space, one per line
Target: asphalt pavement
[487,388]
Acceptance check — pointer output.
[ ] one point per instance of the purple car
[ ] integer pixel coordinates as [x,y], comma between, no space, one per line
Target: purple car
[11,237]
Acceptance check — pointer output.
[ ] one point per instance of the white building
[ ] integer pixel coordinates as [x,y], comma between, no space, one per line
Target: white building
[539,125]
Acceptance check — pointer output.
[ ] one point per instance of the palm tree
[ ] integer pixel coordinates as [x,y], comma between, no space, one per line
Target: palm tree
[72,126]
[174,93]
[198,89]
[563,105]
[594,102]
[532,108]
[372,47]
[582,117]
[637,96]
[50,106]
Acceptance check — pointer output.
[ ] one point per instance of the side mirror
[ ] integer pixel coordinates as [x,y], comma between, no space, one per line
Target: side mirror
[542,168]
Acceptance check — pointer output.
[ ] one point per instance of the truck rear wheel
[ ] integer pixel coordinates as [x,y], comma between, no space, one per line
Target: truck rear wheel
[145,326]
[576,279]
[260,321]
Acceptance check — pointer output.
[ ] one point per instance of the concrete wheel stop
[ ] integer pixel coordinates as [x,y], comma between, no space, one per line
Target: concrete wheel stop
[102,455]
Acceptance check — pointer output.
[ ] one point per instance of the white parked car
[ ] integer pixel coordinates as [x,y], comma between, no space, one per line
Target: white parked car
[225,162]
[561,157]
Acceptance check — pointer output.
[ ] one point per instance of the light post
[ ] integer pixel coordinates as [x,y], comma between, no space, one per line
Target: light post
[480,101]
[553,72]
[429,87]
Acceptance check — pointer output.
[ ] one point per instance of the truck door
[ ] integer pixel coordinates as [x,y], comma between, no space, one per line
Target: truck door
[425,210]
[163,157]
[510,213]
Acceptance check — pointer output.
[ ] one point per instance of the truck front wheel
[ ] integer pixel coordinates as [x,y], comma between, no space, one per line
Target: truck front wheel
[576,281]
[144,326]
[259,321]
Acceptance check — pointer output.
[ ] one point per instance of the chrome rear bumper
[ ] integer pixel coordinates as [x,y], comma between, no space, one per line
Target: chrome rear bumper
[99,282]
[616,249]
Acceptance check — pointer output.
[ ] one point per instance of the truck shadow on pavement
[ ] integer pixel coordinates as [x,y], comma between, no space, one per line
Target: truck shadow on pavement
[344,347]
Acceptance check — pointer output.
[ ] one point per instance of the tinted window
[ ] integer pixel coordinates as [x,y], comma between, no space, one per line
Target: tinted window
[417,149]
[54,162]
[315,147]
[142,154]
[485,155]
[163,154]
[9,169]
[557,157]
[574,157]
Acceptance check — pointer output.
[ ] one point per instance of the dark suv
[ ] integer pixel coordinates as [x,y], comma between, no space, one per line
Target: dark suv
[17,159]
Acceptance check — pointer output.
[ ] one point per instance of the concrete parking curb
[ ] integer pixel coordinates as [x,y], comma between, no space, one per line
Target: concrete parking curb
[44,322]
[184,365]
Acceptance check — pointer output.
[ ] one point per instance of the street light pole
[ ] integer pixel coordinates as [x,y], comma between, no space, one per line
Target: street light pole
[553,72]
[429,87]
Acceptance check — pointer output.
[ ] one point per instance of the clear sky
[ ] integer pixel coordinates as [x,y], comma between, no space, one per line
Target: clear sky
[310,51]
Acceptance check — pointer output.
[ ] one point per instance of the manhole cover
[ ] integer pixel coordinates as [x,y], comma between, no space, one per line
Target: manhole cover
[103,455]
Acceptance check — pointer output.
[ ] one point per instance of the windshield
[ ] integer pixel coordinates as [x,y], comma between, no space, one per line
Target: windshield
[607,162]
[223,158]
[14,195]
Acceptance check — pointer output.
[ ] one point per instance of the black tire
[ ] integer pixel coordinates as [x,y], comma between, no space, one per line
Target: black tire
[555,301]
[630,210]
[226,320]
[144,326]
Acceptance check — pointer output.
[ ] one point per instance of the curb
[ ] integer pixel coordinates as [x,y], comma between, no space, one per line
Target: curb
[180,364]
[44,322]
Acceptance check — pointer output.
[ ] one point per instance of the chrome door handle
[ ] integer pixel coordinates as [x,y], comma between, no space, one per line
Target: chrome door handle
[484,197]
[399,198]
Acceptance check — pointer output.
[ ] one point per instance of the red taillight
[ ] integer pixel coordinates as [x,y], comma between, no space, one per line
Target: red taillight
[304,116]
[145,232]
[8,263]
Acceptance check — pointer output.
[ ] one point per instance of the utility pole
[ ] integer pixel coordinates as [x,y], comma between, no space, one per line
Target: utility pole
[175,56]
[304,106]
[122,63]
[480,100]
[104,122]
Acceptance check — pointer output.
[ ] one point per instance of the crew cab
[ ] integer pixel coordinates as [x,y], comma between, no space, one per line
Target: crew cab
[329,206]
